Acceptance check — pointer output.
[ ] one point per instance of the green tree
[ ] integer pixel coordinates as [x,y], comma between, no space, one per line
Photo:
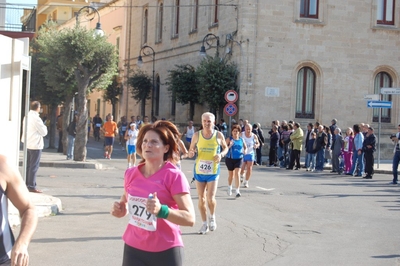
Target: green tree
[112,93]
[215,77]
[182,86]
[77,60]
[40,90]
[141,88]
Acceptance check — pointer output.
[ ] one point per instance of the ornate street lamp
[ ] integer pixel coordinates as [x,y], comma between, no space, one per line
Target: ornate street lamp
[98,30]
[140,64]
[208,40]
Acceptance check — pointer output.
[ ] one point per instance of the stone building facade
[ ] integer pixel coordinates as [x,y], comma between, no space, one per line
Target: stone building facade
[302,60]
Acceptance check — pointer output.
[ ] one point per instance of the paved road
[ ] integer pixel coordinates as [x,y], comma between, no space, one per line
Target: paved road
[284,218]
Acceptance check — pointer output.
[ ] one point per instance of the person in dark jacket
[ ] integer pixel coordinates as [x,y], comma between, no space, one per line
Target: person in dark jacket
[273,146]
[322,140]
[310,152]
[369,146]
[71,138]
[337,147]
[256,132]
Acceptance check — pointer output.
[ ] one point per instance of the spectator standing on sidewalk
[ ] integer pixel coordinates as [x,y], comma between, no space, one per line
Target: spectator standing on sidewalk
[60,132]
[97,124]
[71,138]
[273,145]
[337,147]
[369,147]
[36,130]
[321,141]
[306,141]
[297,139]
[358,155]
[157,198]
[396,157]
[109,129]
[348,150]
[15,252]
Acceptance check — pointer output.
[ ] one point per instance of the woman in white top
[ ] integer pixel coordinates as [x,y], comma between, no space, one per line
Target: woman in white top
[252,143]
[131,138]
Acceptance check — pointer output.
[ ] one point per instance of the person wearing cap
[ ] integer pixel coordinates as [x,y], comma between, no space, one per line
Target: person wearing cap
[369,146]
[131,138]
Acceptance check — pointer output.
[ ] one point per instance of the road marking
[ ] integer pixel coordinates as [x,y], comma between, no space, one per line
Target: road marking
[266,189]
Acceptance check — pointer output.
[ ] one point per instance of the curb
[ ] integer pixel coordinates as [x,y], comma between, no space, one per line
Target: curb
[76,165]
[45,205]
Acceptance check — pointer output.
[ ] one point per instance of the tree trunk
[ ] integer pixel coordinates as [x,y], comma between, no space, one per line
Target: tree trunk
[143,107]
[66,121]
[53,121]
[81,123]
[191,110]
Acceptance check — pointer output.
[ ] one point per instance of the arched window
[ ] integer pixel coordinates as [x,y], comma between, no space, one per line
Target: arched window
[160,21]
[156,100]
[305,94]
[382,80]
[145,25]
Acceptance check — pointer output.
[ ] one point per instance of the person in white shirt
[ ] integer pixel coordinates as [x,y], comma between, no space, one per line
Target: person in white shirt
[36,130]
[131,138]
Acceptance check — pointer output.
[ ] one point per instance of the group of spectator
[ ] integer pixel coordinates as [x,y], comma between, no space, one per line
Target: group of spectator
[351,153]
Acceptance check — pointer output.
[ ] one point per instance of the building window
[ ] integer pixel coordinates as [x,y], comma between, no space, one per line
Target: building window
[145,25]
[305,94]
[156,100]
[160,18]
[382,80]
[309,8]
[195,15]
[215,16]
[98,107]
[385,12]
[176,19]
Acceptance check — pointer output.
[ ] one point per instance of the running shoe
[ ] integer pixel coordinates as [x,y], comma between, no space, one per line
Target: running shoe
[213,224]
[238,195]
[241,178]
[229,191]
[105,155]
[204,229]
[246,184]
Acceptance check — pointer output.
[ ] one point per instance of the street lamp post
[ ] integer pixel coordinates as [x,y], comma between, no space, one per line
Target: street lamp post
[98,30]
[140,64]
[206,40]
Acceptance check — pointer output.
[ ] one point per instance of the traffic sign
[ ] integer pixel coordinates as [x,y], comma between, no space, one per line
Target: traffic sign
[379,104]
[390,90]
[230,109]
[374,97]
[231,96]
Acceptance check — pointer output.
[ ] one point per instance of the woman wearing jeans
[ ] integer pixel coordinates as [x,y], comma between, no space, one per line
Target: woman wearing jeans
[71,138]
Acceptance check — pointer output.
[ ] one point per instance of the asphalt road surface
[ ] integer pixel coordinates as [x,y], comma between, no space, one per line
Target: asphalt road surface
[283,218]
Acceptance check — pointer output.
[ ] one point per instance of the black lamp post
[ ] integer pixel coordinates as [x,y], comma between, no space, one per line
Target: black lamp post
[206,40]
[140,64]
[98,30]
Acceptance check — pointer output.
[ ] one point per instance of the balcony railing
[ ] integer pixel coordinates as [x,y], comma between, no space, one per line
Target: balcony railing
[14,17]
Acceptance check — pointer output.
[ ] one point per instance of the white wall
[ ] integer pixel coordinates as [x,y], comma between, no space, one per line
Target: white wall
[11,56]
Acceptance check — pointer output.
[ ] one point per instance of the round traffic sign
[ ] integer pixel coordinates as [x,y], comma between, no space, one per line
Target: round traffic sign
[231,96]
[230,109]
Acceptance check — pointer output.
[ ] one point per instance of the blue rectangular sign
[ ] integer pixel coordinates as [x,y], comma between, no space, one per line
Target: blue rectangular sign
[379,104]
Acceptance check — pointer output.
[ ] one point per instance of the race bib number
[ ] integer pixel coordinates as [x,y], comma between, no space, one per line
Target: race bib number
[138,216]
[98,125]
[205,167]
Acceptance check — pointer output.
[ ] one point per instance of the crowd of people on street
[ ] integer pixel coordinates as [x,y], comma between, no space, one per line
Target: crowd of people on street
[156,193]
